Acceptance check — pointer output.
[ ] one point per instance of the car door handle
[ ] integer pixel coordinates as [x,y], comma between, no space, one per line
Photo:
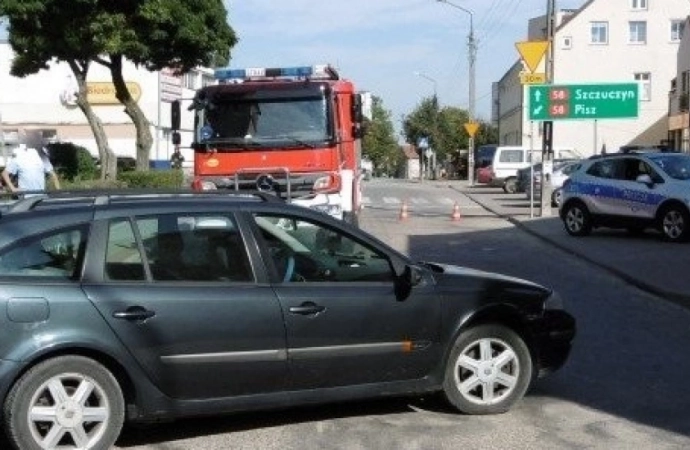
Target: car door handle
[134,313]
[307,309]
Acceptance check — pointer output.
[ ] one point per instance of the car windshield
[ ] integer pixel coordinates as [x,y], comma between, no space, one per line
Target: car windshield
[675,166]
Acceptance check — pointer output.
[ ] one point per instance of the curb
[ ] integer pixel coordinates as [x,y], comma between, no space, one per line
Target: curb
[680,299]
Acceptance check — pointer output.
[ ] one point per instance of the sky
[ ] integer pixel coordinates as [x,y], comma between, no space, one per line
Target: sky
[399,50]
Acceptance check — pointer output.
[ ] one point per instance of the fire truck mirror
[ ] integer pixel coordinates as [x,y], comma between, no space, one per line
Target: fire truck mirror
[176,139]
[357,109]
[175,115]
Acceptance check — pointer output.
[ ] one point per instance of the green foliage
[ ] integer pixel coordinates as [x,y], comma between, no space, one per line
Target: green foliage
[379,144]
[72,162]
[152,179]
[151,33]
[95,184]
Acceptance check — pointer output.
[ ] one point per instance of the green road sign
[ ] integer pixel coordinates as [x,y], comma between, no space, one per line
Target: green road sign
[583,101]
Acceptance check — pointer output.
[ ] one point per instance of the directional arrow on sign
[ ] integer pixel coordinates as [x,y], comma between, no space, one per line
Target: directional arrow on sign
[537,96]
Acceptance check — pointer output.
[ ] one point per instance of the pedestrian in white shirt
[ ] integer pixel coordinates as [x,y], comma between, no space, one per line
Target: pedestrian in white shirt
[30,166]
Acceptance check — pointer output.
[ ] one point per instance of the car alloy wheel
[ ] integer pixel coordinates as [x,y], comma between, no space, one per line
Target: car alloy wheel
[489,369]
[576,219]
[675,224]
[69,402]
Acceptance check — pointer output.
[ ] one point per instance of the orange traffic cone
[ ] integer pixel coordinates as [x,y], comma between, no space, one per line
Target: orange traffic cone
[403,211]
[455,216]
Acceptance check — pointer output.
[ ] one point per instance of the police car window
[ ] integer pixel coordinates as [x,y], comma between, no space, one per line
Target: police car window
[57,254]
[303,251]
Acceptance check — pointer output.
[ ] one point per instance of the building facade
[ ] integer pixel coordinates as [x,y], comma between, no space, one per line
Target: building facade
[609,41]
[679,103]
[44,103]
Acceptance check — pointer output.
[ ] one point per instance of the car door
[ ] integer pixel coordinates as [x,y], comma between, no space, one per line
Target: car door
[181,293]
[345,325]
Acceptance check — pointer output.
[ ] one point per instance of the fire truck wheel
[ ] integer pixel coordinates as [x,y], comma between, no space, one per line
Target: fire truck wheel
[351,218]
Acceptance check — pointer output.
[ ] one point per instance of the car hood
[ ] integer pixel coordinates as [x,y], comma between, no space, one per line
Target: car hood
[447,274]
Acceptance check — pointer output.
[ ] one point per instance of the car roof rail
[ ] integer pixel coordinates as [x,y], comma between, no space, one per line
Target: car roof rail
[28,202]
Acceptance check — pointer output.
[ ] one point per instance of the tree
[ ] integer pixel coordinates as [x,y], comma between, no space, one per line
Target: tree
[179,34]
[38,34]
[379,143]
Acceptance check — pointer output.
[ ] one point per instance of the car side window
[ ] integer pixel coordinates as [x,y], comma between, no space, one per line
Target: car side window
[606,169]
[57,254]
[194,248]
[511,156]
[123,261]
[300,250]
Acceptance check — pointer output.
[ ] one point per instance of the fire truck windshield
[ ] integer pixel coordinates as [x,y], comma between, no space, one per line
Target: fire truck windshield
[262,120]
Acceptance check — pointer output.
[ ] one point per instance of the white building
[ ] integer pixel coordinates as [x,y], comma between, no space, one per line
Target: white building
[679,97]
[44,102]
[605,41]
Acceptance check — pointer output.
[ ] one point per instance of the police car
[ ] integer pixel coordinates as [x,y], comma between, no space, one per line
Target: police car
[631,191]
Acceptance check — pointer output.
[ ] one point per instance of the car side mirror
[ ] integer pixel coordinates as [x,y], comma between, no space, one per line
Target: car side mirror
[409,278]
[645,179]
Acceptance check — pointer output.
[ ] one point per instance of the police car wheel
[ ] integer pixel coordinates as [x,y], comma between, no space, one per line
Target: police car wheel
[577,219]
[674,222]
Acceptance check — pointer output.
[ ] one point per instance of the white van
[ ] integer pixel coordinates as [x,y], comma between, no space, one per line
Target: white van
[509,159]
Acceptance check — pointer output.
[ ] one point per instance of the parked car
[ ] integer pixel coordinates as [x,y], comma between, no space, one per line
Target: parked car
[561,171]
[509,159]
[523,175]
[633,191]
[148,306]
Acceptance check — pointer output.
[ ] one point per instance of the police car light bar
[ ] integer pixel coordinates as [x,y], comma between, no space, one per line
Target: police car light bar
[319,71]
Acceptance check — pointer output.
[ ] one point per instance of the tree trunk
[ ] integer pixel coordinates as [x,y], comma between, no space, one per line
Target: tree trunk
[105,153]
[132,109]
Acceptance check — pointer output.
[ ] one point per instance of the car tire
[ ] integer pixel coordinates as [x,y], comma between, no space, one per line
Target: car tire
[488,370]
[576,219]
[91,420]
[351,218]
[510,186]
[556,197]
[674,223]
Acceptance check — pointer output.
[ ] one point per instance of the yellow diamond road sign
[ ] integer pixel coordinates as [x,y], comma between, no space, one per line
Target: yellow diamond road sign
[532,52]
[471,128]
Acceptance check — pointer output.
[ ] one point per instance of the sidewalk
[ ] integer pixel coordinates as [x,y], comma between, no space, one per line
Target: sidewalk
[658,267]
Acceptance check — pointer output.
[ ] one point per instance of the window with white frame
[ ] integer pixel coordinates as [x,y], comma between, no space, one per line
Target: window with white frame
[638,32]
[677,27]
[638,4]
[645,80]
[189,80]
[600,32]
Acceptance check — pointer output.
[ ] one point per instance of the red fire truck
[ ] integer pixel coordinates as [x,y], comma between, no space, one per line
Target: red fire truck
[293,131]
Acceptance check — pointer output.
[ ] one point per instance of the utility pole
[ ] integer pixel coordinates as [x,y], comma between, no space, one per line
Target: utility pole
[547,132]
[472,57]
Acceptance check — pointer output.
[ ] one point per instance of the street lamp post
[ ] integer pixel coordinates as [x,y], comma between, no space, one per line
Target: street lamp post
[472,57]
[428,78]
[434,131]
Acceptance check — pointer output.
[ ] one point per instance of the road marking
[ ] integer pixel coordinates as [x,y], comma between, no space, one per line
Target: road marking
[419,201]
[391,200]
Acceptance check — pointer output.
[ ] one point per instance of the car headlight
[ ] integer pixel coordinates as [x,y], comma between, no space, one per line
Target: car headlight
[553,301]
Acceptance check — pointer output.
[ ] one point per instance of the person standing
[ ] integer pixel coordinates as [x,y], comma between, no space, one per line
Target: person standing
[30,166]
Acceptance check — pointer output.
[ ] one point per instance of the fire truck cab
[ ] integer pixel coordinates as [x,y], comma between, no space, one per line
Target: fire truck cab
[292,131]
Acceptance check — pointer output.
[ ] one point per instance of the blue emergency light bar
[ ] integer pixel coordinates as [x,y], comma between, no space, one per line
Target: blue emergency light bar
[227,74]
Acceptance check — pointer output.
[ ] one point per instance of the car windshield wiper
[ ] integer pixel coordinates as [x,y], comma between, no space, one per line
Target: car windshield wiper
[233,142]
[294,140]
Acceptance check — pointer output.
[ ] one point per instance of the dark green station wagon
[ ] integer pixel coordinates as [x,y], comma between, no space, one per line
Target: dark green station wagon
[140,306]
